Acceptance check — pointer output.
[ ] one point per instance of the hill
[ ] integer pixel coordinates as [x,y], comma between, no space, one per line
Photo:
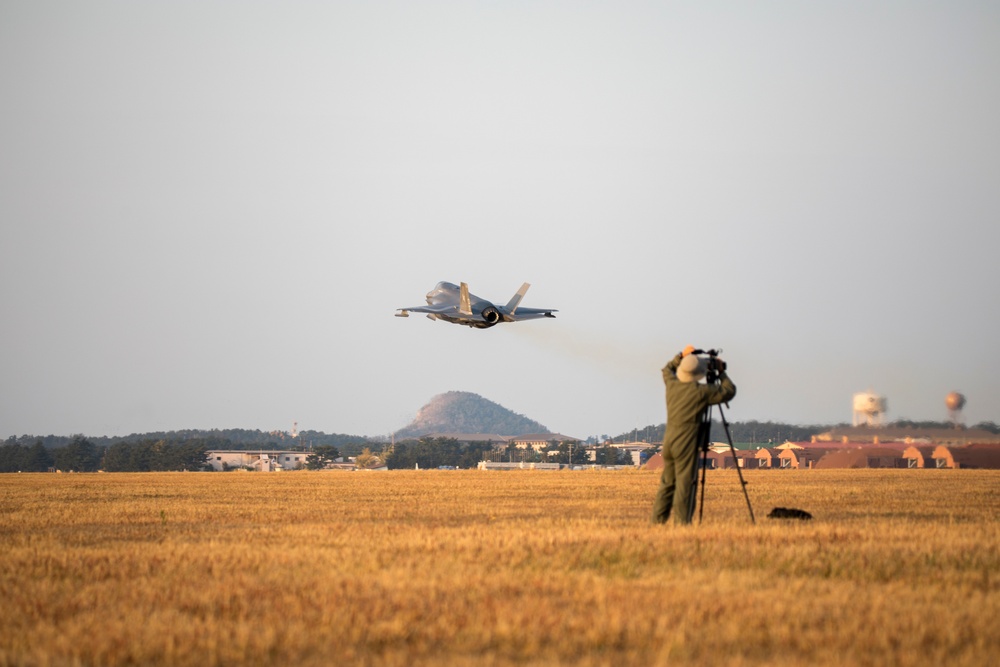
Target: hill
[465,412]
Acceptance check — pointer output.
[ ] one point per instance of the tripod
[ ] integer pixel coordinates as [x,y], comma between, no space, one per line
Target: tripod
[703,438]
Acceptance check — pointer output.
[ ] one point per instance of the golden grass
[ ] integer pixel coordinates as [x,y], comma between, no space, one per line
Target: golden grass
[899,567]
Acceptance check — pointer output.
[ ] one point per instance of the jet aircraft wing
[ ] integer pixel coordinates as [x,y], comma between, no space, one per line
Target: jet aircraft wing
[436,309]
[531,314]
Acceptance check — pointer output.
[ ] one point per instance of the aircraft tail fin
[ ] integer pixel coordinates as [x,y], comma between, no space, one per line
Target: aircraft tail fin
[464,305]
[516,299]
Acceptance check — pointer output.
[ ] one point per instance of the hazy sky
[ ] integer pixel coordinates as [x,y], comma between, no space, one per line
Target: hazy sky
[209,211]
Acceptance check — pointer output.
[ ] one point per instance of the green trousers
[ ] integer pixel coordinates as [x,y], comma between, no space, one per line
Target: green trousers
[678,484]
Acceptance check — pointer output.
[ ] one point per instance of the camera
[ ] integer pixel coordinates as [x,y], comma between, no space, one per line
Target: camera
[715,365]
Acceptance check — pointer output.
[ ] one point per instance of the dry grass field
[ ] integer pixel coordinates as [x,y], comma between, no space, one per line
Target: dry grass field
[900,567]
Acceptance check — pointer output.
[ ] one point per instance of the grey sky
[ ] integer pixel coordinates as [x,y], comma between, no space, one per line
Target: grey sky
[209,211]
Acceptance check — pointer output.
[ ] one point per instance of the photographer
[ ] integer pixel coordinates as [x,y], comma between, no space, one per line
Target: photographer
[687,428]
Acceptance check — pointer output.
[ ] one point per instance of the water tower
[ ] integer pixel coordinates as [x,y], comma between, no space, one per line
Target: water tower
[869,408]
[955,402]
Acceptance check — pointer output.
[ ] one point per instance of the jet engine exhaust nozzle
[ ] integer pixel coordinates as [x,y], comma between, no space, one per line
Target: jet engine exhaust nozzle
[491,315]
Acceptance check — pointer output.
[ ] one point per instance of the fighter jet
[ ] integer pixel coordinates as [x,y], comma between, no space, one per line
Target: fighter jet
[452,303]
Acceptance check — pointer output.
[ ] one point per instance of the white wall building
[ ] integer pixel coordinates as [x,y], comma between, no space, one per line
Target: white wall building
[265,460]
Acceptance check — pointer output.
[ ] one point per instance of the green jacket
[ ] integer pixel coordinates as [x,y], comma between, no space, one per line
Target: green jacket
[686,405]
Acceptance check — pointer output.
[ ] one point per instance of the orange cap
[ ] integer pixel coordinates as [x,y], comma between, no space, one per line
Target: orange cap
[687,350]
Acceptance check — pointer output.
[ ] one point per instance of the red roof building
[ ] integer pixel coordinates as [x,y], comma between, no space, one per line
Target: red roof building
[862,457]
[985,455]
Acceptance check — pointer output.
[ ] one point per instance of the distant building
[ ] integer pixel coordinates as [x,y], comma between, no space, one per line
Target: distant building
[537,441]
[502,465]
[910,436]
[833,455]
[269,460]
[745,458]
[540,441]
[970,456]
[654,462]
[862,457]
[765,458]
[634,449]
[799,457]
[921,457]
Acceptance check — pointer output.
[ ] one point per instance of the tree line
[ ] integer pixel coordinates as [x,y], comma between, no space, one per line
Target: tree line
[163,451]
[234,438]
[81,454]
[449,452]
[434,453]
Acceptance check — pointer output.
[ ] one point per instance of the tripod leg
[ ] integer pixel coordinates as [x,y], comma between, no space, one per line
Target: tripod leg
[693,492]
[732,449]
[704,436]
